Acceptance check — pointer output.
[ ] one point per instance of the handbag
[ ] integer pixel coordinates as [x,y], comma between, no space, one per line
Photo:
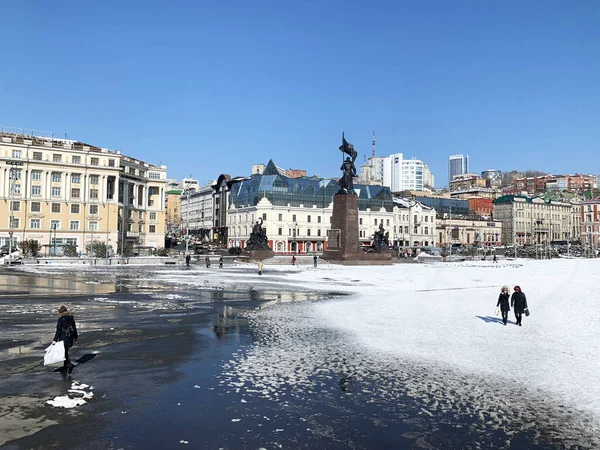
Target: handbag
[526,311]
[497,311]
[55,353]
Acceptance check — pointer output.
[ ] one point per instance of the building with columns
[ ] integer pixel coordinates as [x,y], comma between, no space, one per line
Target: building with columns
[59,192]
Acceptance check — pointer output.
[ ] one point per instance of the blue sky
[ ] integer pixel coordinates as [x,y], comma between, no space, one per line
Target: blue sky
[211,87]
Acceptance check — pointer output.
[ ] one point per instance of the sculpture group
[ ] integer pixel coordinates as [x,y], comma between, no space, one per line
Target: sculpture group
[258,237]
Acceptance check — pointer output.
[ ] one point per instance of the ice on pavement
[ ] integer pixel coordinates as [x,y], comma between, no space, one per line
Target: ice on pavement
[429,332]
[78,395]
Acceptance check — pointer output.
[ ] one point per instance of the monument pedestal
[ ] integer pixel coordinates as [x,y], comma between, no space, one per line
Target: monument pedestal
[343,245]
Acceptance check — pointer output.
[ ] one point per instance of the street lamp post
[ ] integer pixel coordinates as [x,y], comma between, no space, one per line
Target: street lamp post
[187,219]
[53,240]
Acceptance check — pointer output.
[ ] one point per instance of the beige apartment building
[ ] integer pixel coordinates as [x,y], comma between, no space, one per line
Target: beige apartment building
[60,192]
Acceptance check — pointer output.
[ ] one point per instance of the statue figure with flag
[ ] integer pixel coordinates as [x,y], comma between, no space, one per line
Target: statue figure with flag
[349,170]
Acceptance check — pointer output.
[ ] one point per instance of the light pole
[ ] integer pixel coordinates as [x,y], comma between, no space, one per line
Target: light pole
[13,178]
[54,240]
[187,218]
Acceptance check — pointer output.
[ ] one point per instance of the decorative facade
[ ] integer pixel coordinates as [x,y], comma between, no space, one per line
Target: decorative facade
[63,192]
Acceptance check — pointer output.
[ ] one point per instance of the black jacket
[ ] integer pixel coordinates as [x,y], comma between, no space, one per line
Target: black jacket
[519,302]
[503,302]
[66,330]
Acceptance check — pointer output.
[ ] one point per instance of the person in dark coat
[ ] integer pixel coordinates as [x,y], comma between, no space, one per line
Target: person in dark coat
[207,261]
[315,259]
[187,260]
[220,262]
[519,303]
[503,303]
[66,331]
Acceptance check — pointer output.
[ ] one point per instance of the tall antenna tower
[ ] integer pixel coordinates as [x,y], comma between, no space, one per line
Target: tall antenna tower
[373,146]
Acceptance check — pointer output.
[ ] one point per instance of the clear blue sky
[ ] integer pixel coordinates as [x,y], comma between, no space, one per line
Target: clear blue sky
[211,87]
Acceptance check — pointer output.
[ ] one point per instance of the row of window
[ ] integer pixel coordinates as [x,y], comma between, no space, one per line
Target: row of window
[56,191]
[57,157]
[35,224]
[15,206]
[36,175]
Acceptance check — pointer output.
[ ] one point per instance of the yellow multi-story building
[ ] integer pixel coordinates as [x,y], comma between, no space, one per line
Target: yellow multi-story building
[60,192]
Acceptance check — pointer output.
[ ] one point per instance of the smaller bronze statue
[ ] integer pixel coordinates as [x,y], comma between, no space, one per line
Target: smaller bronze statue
[346,183]
[381,240]
[258,237]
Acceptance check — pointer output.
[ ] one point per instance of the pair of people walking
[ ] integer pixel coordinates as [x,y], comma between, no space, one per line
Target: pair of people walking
[518,301]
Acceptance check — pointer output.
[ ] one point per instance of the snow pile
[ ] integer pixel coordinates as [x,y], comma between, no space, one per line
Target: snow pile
[426,338]
[78,395]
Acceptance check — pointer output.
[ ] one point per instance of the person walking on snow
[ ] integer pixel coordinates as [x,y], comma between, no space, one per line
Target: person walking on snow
[293,260]
[519,303]
[315,259]
[207,260]
[66,331]
[187,260]
[260,267]
[503,303]
[221,262]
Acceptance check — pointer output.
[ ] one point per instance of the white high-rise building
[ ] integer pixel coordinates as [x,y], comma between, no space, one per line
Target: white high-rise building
[457,165]
[401,174]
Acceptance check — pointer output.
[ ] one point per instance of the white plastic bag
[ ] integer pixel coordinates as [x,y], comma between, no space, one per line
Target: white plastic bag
[497,311]
[55,353]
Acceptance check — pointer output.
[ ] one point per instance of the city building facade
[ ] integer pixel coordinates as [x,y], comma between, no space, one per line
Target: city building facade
[457,165]
[589,215]
[469,232]
[531,221]
[60,192]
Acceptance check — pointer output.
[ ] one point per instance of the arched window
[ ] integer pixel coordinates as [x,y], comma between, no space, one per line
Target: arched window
[294,247]
[308,247]
[279,247]
[319,246]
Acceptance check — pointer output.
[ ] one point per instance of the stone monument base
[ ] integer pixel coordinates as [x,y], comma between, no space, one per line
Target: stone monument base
[343,245]
[258,255]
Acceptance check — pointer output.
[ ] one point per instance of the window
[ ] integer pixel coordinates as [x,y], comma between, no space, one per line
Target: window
[387,222]
[37,156]
[154,175]
[93,225]
[280,217]
[75,192]
[15,223]
[94,161]
[264,216]
[152,228]
[56,157]
[93,209]
[56,177]
[55,224]
[360,221]
[426,218]
[132,171]
[76,178]
[36,175]
[16,174]
[319,232]
[308,231]
[426,230]
[279,231]
[36,206]
[16,188]
[294,218]
[76,160]
[93,179]
[308,218]
[15,206]
[152,216]
[55,192]
[36,190]
[35,224]
[74,209]
[140,228]
[93,193]
[111,163]
[74,225]
[16,154]
[319,219]
[55,207]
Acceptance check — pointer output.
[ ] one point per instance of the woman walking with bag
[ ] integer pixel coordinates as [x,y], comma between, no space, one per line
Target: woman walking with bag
[66,331]
[503,303]
[519,303]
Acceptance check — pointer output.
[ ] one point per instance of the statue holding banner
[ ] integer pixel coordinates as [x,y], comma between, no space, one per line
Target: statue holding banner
[348,168]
